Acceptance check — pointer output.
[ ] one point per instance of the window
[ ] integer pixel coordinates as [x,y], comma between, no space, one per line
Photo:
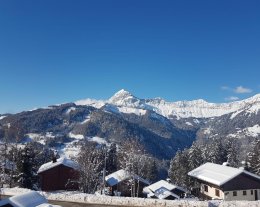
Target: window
[234,193]
[244,192]
[206,188]
[217,192]
[252,192]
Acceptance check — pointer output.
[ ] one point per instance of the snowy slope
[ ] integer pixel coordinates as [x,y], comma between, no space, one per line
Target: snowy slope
[128,103]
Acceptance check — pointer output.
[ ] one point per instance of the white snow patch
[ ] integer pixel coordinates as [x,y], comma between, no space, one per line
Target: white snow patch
[40,138]
[207,131]
[235,114]
[253,131]
[254,108]
[70,110]
[91,102]
[87,118]
[196,121]
[69,150]
[26,198]
[127,110]
[1,117]
[188,123]
[98,140]
[76,136]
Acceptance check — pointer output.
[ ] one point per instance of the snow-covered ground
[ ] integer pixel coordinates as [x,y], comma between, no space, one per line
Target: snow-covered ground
[253,131]
[78,197]
[76,136]
[39,137]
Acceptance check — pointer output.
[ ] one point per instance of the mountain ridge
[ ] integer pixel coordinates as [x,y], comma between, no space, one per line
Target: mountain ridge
[181,109]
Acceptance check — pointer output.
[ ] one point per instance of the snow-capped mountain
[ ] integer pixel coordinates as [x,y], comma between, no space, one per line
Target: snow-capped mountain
[162,127]
[127,103]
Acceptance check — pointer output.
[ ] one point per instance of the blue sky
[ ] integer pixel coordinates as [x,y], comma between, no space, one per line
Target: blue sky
[61,51]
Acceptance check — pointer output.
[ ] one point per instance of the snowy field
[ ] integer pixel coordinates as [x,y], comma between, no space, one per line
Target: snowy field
[77,197]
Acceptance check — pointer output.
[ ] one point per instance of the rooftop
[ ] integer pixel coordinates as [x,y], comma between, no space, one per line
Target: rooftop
[61,161]
[122,175]
[218,174]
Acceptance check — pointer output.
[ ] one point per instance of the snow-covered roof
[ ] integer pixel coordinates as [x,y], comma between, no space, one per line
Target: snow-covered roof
[122,175]
[61,161]
[163,193]
[218,174]
[162,184]
[30,199]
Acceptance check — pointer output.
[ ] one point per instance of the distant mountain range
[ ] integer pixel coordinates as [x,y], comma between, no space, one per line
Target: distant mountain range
[162,127]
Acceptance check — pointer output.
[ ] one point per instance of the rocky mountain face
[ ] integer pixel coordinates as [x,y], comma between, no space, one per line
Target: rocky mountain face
[162,127]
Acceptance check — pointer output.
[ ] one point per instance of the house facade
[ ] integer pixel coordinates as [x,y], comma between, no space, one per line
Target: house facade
[226,183]
[60,174]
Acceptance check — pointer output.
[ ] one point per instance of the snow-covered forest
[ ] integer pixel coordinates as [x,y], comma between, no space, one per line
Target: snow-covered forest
[19,164]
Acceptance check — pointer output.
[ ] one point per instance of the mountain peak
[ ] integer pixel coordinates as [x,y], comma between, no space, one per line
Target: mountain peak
[120,95]
[122,98]
[122,92]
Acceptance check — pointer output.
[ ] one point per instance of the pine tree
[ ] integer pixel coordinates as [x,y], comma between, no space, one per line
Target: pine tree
[27,176]
[111,160]
[179,169]
[4,178]
[151,170]
[232,150]
[215,152]
[253,158]
[195,158]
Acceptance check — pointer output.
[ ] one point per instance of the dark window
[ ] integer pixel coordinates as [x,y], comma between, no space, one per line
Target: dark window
[206,188]
[234,193]
[217,192]
[252,192]
[244,192]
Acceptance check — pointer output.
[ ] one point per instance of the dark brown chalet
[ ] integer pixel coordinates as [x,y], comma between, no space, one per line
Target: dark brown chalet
[227,183]
[60,174]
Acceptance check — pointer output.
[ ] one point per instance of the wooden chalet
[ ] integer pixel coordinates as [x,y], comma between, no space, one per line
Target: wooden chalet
[59,174]
[122,183]
[226,183]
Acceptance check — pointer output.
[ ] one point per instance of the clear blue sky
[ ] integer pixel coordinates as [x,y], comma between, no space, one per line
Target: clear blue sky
[55,51]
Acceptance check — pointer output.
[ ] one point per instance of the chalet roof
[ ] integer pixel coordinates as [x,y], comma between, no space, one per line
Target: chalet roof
[61,161]
[122,175]
[163,193]
[30,199]
[218,174]
[162,184]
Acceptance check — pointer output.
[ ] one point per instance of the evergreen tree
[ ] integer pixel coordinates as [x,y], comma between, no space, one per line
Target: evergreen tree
[26,168]
[179,169]
[111,159]
[253,158]
[215,152]
[4,178]
[195,158]
[232,150]
[152,170]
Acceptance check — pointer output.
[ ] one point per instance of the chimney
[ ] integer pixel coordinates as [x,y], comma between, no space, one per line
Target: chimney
[54,159]
[244,165]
